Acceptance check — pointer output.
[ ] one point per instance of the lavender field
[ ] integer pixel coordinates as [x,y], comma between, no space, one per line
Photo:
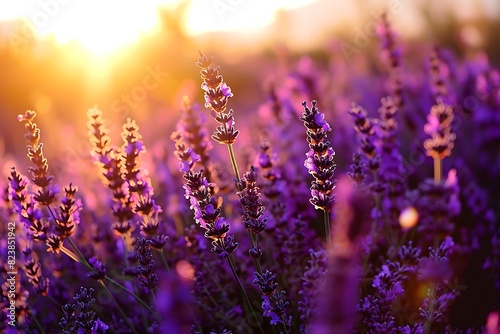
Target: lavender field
[354,188]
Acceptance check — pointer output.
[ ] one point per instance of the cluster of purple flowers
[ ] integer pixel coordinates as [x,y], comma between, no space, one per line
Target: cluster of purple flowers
[403,249]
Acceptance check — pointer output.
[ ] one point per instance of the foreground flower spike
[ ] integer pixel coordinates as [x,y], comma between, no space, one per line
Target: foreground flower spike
[319,161]
[252,210]
[442,140]
[47,191]
[147,278]
[139,184]
[67,216]
[33,271]
[217,92]
[109,161]
[274,304]
[206,208]
[79,317]
[26,207]
[68,213]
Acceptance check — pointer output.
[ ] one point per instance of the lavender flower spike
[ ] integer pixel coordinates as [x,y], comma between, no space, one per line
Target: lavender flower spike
[442,140]
[217,93]
[319,162]
[47,190]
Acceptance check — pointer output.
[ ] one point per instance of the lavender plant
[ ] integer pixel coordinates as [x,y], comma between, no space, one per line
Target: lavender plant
[168,246]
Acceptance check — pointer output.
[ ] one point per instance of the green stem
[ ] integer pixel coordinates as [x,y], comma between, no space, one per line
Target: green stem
[258,265]
[125,251]
[378,204]
[153,296]
[438,170]
[37,323]
[163,259]
[255,243]
[234,164]
[56,304]
[69,253]
[125,256]
[118,306]
[79,253]
[284,325]
[432,297]
[244,293]
[238,186]
[84,261]
[130,293]
[326,219]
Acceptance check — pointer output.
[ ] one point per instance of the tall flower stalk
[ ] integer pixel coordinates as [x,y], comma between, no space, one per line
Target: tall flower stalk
[217,93]
[207,209]
[107,157]
[65,217]
[192,127]
[47,191]
[320,163]
[252,214]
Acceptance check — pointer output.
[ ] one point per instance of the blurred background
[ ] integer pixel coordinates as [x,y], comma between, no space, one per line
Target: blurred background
[137,58]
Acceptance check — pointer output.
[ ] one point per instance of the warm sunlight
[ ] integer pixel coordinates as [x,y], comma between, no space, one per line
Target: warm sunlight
[235,15]
[105,26]
[99,26]
[249,166]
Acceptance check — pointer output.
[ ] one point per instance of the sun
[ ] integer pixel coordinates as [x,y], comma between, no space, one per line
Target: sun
[105,26]
[100,26]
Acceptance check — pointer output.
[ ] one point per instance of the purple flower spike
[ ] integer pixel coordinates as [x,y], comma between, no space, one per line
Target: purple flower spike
[319,162]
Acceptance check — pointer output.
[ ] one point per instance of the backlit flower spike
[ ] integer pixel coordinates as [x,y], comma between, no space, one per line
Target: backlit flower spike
[109,160]
[217,93]
[139,184]
[47,189]
[26,207]
[442,140]
[274,303]
[33,271]
[192,128]
[206,208]
[68,213]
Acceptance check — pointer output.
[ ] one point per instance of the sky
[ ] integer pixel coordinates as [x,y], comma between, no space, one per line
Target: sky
[102,26]
[105,24]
